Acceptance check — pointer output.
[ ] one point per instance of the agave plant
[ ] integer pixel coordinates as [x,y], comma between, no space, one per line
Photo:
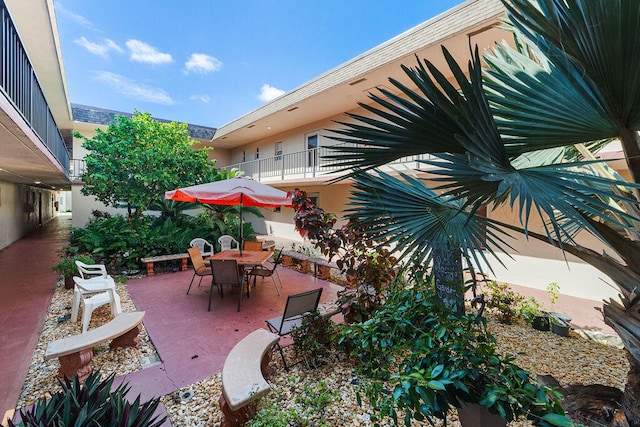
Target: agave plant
[505,136]
[92,403]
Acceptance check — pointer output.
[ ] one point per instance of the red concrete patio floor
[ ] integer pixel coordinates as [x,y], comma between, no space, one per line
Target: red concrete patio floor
[192,342]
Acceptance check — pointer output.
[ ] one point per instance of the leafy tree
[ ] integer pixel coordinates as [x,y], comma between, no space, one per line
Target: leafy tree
[137,159]
[518,135]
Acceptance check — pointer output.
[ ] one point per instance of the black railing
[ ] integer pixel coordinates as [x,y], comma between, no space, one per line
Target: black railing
[19,83]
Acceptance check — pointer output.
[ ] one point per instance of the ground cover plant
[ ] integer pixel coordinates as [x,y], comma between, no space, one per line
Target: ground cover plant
[421,359]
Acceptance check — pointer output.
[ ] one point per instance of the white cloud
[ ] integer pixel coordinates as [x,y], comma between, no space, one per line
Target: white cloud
[202,63]
[61,11]
[133,90]
[268,93]
[98,49]
[202,98]
[143,52]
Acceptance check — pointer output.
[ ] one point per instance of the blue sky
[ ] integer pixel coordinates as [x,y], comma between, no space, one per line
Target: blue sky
[208,62]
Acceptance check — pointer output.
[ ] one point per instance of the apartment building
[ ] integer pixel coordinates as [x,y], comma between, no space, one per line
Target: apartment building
[283,142]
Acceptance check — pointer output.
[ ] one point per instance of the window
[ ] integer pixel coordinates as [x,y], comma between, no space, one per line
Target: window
[257,153]
[244,156]
[314,197]
[279,150]
[312,149]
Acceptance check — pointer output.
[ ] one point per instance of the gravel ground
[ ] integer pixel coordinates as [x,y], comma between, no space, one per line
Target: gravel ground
[41,378]
[573,359]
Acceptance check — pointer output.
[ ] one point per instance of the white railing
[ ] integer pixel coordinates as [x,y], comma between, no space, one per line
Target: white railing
[307,164]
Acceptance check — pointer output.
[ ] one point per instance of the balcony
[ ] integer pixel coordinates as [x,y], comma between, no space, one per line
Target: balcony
[20,85]
[292,166]
[306,165]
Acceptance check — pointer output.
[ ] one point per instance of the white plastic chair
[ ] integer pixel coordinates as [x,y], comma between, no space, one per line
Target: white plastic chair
[93,271]
[206,248]
[227,243]
[93,293]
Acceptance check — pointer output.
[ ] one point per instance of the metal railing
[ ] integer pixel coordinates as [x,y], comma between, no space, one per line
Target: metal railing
[19,83]
[78,167]
[306,164]
[300,164]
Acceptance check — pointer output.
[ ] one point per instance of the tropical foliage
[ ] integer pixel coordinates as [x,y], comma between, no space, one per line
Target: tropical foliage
[518,134]
[445,360]
[137,159]
[369,267]
[120,242]
[91,403]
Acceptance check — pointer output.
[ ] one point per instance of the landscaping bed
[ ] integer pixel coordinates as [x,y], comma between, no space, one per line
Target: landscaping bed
[326,396]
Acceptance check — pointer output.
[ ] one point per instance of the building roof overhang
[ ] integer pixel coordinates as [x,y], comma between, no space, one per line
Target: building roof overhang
[474,22]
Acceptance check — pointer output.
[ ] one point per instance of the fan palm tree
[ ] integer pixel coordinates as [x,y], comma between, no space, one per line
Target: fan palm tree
[501,136]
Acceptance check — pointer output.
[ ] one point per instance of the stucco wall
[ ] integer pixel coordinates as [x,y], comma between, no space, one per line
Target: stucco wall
[23,209]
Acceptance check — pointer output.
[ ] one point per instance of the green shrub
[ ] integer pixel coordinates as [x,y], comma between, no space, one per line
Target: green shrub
[313,338]
[120,242]
[67,267]
[438,360]
[505,301]
[90,404]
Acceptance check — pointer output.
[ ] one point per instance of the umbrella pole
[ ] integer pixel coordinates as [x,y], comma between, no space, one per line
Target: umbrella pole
[241,238]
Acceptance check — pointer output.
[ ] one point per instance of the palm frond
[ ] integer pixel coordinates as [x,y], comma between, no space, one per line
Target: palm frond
[413,218]
[541,104]
[546,191]
[600,38]
[436,118]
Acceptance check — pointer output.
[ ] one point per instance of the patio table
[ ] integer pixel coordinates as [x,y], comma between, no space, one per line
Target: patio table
[244,259]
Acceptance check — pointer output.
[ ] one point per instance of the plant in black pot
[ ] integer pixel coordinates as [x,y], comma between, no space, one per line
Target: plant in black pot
[439,361]
[559,322]
[559,325]
[67,268]
[531,311]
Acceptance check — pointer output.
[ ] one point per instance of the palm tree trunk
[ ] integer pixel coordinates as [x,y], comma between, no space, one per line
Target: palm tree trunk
[625,320]
[631,146]
[447,274]
[631,398]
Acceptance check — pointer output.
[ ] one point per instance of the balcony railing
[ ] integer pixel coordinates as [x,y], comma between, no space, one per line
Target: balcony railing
[301,164]
[305,164]
[19,83]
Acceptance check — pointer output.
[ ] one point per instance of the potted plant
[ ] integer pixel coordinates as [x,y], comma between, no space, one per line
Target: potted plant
[531,311]
[67,268]
[559,326]
[559,322]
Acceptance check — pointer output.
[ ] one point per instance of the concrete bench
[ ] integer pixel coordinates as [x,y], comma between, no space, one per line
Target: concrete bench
[153,259]
[244,377]
[322,267]
[76,352]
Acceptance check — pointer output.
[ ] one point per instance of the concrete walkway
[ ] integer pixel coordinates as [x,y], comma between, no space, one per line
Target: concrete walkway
[27,284]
